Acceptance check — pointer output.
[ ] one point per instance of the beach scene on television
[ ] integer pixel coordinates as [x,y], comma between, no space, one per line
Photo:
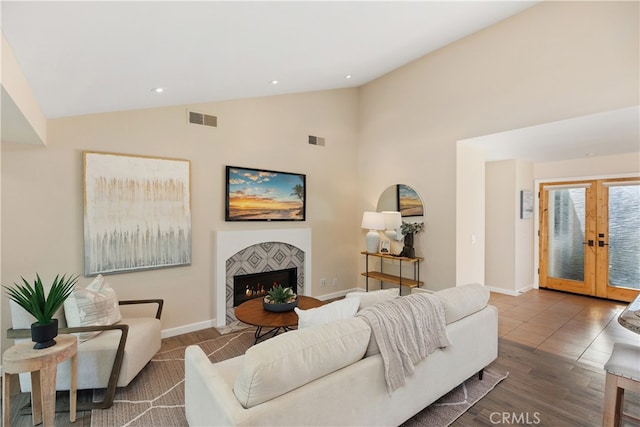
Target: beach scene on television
[265,195]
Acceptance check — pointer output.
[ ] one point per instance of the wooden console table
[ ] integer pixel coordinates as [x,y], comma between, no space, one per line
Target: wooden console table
[391,278]
[43,365]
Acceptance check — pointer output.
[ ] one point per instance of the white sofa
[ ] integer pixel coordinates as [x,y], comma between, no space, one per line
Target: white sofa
[318,376]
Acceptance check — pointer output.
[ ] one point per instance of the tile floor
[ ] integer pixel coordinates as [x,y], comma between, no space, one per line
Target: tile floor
[577,327]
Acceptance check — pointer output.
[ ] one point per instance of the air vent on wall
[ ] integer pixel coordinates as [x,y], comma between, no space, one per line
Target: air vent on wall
[316,140]
[202,119]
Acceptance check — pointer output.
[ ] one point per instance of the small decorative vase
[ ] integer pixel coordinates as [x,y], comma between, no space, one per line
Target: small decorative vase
[43,335]
[408,250]
[279,308]
[408,240]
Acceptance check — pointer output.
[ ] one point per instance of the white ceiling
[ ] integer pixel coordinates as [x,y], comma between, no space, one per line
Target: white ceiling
[602,134]
[83,57]
[92,57]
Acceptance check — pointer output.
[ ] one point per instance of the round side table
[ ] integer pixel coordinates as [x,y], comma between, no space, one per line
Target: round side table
[43,366]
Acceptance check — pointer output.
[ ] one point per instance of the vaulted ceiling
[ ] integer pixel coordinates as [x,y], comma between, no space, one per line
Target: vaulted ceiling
[92,57]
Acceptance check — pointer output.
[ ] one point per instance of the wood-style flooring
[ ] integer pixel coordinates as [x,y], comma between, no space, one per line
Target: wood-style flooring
[553,345]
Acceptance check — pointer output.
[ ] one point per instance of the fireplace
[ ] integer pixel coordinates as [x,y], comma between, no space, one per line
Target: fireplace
[241,252]
[256,285]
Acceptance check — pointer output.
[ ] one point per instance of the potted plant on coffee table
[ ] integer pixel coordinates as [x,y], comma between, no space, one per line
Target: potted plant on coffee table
[43,308]
[279,299]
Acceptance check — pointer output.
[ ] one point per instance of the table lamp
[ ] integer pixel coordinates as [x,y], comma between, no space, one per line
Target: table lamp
[372,221]
[392,223]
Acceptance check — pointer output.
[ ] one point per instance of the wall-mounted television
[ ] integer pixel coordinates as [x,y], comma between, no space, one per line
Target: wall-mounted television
[264,195]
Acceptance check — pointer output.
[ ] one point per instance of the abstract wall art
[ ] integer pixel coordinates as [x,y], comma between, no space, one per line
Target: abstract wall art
[137,213]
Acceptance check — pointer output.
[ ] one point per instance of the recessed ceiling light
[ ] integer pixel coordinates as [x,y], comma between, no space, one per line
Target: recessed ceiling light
[274,82]
[348,76]
[157,90]
[590,154]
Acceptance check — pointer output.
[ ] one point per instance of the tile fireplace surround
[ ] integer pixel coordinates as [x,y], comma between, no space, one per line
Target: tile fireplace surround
[229,243]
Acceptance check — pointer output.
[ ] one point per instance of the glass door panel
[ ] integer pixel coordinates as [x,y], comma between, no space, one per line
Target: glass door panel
[566,234]
[618,250]
[567,238]
[624,236]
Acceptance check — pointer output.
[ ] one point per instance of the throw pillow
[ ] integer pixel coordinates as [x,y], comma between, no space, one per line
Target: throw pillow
[341,309]
[94,305]
[288,361]
[374,297]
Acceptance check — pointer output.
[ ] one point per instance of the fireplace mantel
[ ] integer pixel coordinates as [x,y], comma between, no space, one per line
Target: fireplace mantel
[228,243]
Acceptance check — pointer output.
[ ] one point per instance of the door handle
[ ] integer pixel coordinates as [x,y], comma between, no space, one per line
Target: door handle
[589,242]
[602,244]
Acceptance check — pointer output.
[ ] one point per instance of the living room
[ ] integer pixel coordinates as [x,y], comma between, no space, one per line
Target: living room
[550,62]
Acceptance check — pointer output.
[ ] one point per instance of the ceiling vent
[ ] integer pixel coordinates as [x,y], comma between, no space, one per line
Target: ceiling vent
[316,140]
[201,119]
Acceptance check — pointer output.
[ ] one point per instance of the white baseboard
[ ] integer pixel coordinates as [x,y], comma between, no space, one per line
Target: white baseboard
[338,294]
[213,323]
[513,293]
[188,328]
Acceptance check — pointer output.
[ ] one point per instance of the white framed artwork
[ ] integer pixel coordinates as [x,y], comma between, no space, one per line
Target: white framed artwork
[137,213]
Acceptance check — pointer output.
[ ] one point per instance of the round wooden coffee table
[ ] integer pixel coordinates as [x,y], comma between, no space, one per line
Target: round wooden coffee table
[252,313]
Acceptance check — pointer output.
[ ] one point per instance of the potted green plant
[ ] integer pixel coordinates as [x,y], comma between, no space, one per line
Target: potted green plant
[408,230]
[43,308]
[280,299]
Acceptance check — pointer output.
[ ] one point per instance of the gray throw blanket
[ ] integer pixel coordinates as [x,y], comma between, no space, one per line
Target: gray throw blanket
[407,329]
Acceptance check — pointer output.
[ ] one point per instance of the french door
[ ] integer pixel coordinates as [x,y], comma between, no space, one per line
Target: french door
[590,237]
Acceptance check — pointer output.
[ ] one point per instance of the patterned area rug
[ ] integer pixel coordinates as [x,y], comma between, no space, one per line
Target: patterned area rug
[156,396]
[452,405]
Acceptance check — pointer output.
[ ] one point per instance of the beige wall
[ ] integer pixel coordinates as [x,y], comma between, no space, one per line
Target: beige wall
[500,243]
[21,112]
[554,61]
[524,230]
[509,247]
[42,213]
[470,211]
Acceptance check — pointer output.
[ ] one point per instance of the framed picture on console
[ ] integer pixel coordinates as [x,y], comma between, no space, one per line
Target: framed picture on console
[409,202]
[264,195]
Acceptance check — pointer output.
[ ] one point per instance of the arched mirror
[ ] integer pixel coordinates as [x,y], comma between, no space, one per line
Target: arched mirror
[402,198]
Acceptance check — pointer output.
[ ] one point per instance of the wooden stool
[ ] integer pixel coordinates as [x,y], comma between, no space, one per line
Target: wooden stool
[623,373]
[43,365]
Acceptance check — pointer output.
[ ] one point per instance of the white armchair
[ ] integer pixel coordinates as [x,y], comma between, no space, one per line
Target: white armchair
[109,360]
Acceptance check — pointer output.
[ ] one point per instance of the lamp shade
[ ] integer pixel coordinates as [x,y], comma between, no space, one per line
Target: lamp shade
[373,220]
[392,220]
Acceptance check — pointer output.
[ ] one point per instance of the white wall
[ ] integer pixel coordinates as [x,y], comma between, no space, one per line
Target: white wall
[525,242]
[530,69]
[500,243]
[22,114]
[509,239]
[470,211]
